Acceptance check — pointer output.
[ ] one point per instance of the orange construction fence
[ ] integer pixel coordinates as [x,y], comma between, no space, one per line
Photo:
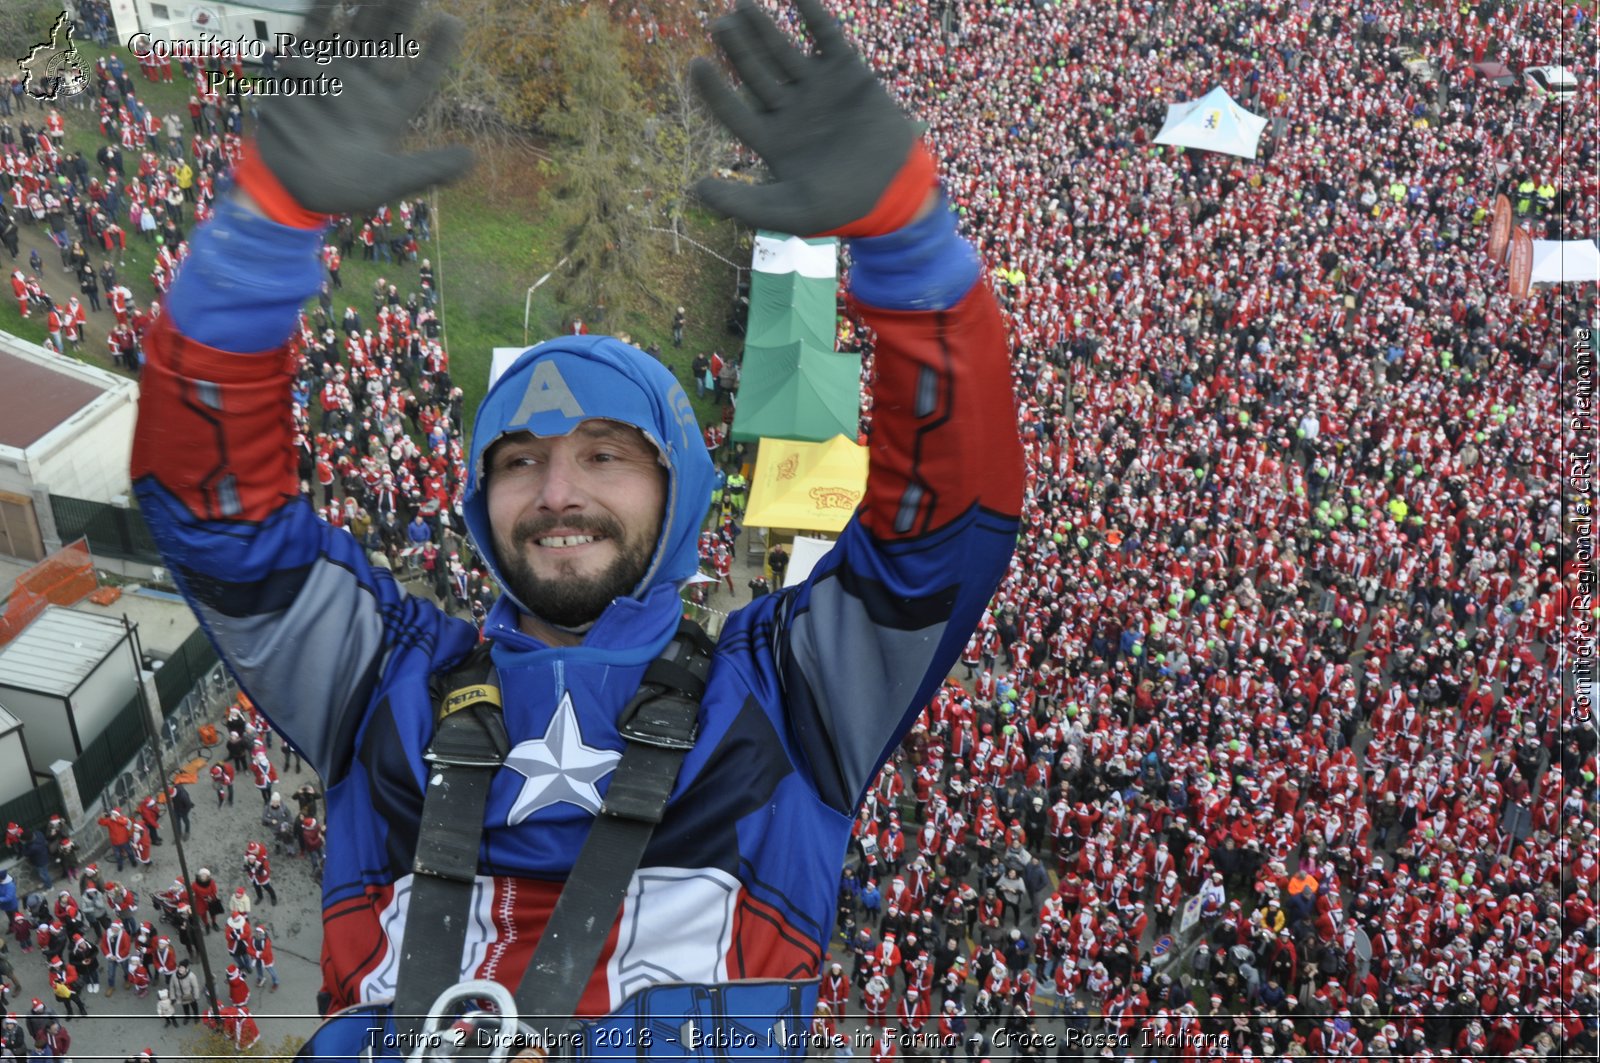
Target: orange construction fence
[64,578]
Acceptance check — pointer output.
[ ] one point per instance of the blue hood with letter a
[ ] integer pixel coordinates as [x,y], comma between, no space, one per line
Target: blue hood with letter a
[552,388]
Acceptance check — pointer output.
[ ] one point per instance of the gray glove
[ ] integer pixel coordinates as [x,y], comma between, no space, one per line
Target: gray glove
[835,142]
[338,154]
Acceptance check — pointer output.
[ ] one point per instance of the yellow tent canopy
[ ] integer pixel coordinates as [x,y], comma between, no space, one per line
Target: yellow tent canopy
[806,486]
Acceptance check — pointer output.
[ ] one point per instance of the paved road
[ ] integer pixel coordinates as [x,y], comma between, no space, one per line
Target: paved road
[62,286]
[120,1025]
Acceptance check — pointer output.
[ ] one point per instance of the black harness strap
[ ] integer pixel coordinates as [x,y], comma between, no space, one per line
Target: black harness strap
[659,727]
[469,745]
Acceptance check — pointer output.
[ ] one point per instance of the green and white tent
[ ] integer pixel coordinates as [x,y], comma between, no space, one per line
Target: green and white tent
[794,386]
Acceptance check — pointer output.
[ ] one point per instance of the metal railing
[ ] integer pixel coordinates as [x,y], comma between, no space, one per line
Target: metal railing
[35,807]
[112,531]
[178,740]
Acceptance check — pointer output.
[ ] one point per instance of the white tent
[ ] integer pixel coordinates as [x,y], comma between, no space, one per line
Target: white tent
[804,554]
[1213,123]
[501,359]
[1565,262]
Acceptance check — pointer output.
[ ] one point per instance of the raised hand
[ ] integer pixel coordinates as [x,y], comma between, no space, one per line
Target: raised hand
[340,154]
[844,159]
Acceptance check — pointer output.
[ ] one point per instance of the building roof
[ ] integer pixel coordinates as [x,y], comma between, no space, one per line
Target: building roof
[282,7]
[56,652]
[38,396]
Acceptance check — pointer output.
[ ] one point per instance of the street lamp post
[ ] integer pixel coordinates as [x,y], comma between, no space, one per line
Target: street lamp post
[177,832]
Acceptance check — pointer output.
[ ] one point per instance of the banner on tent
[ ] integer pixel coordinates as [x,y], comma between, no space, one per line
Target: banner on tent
[807,486]
[1499,229]
[1521,263]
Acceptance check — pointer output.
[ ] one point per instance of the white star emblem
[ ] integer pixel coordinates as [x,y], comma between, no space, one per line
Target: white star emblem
[559,767]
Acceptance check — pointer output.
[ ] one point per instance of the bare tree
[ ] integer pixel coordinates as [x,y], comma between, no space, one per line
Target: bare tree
[506,74]
[685,142]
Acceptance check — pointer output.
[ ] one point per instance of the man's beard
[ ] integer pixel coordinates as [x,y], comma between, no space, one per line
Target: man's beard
[573,602]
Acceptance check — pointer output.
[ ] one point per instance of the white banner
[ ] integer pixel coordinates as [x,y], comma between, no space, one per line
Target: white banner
[774,253]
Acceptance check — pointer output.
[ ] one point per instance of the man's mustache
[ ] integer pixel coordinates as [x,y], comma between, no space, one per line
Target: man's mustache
[539,527]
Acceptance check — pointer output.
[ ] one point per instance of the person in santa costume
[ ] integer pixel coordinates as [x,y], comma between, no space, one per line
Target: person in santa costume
[875,999]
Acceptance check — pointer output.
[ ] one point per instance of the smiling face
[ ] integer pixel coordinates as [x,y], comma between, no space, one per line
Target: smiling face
[575,519]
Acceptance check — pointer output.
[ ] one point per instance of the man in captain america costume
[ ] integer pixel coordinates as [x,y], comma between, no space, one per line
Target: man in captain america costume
[587,487]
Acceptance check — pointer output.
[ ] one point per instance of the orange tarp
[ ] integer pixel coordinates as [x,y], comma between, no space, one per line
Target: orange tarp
[66,577]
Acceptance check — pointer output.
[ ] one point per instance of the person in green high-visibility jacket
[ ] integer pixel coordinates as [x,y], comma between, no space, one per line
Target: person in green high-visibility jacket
[737,491]
[718,486]
[1546,194]
[1525,196]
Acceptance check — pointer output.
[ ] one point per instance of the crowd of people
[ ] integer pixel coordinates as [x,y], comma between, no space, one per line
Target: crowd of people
[1284,633]
[365,391]
[91,931]
[367,387]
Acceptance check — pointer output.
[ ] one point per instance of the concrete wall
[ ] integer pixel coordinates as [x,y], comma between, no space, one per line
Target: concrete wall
[15,778]
[44,719]
[87,457]
[104,693]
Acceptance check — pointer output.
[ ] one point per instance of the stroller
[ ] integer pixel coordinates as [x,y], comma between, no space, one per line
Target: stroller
[167,902]
[37,906]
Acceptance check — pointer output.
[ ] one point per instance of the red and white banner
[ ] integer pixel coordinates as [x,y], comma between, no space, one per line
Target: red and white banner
[1499,229]
[1520,263]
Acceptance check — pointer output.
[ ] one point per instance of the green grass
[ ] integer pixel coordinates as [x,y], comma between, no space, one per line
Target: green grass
[490,252]
[30,328]
[493,236]
[83,134]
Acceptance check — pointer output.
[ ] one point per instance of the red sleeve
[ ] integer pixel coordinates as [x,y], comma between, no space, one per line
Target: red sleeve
[215,428]
[944,429]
